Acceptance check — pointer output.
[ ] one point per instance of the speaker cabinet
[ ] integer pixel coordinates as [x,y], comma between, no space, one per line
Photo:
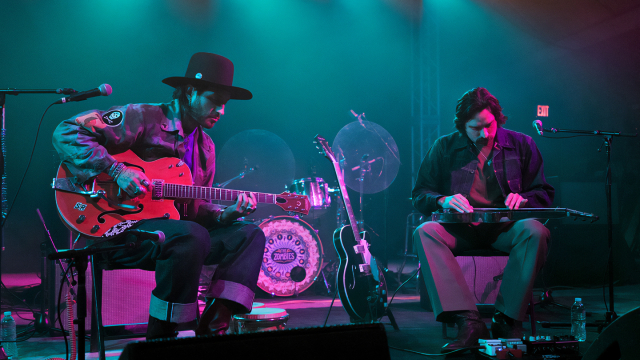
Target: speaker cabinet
[333,342]
[479,273]
[125,296]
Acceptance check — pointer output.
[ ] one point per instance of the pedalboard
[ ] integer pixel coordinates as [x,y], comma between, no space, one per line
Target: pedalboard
[538,346]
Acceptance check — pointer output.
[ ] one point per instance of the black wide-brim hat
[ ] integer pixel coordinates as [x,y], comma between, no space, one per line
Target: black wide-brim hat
[210,71]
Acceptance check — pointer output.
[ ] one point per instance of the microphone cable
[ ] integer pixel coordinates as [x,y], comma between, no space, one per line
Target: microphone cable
[24,175]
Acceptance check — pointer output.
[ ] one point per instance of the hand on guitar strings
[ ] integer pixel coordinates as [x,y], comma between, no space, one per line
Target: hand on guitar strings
[134,182]
[457,202]
[245,205]
[514,201]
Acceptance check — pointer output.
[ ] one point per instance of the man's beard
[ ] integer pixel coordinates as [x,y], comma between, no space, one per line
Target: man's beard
[192,113]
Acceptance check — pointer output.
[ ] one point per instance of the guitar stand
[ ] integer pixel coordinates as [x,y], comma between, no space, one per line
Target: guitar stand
[392,319]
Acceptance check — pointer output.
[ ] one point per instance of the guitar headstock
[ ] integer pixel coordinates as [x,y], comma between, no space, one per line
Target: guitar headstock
[293,202]
[325,149]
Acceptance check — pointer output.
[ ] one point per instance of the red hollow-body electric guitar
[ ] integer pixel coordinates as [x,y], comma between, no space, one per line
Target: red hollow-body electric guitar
[96,206]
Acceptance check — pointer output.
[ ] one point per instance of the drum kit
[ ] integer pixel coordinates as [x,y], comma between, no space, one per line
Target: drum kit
[258,160]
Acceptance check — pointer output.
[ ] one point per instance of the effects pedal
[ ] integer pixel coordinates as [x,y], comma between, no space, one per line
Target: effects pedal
[501,347]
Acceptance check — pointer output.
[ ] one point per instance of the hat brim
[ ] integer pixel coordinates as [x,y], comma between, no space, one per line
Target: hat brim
[235,92]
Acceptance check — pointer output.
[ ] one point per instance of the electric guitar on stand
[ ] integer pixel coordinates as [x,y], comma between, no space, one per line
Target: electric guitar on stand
[361,284]
[96,206]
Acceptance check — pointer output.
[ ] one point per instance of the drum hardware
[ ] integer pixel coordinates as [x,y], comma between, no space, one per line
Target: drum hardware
[329,279]
[292,251]
[317,190]
[239,176]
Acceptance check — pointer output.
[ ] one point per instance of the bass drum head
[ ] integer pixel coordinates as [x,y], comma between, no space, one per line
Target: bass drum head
[290,242]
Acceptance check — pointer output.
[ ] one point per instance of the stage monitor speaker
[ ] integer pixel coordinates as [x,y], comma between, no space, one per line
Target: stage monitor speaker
[367,341]
[619,340]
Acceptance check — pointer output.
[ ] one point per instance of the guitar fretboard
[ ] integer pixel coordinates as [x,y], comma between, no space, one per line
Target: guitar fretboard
[208,193]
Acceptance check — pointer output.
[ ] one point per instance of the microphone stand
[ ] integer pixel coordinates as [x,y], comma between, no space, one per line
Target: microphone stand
[607,137]
[3,152]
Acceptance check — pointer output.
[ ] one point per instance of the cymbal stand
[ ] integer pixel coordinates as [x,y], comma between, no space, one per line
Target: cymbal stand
[239,176]
[363,170]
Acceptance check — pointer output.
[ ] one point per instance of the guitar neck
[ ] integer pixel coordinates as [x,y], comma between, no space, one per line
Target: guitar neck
[347,202]
[176,191]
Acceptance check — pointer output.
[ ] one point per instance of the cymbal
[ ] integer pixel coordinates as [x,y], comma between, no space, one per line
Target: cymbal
[261,150]
[367,151]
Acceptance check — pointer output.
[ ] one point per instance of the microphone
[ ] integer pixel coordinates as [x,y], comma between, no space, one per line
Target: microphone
[148,235]
[102,90]
[537,124]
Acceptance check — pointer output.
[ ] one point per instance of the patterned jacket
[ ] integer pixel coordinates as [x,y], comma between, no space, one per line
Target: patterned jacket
[152,131]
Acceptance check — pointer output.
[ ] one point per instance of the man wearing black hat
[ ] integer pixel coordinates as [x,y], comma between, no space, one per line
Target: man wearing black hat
[206,234]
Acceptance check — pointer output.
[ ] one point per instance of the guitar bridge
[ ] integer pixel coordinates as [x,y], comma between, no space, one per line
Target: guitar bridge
[157,191]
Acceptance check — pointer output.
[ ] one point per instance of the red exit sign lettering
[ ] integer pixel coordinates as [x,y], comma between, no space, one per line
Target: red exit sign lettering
[543,110]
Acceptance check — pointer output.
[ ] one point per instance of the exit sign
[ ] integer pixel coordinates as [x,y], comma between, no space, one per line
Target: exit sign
[543,110]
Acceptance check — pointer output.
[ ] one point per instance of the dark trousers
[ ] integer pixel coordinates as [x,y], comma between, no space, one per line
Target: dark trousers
[237,249]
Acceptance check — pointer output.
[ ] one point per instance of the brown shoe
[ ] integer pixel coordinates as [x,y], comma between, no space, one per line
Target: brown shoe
[505,327]
[471,328]
[216,317]
[160,329]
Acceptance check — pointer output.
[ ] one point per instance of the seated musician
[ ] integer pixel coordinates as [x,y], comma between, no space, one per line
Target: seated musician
[481,165]
[207,233]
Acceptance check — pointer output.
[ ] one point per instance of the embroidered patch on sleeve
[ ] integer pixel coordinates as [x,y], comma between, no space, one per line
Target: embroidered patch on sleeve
[113,117]
[91,121]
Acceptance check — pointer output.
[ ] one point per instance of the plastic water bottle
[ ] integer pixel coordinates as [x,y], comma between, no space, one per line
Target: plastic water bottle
[9,335]
[578,321]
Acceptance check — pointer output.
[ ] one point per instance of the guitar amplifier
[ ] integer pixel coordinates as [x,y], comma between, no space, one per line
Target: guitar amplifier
[482,274]
[125,296]
[479,272]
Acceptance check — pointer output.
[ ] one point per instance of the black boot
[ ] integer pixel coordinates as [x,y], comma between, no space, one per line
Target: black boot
[216,316]
[505,327]
[158,329]
[470,329]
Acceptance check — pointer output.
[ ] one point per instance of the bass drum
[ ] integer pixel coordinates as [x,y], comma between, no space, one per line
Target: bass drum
[290,243]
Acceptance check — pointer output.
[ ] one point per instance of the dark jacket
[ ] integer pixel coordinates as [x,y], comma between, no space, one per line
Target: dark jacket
[450,165]
[152,131]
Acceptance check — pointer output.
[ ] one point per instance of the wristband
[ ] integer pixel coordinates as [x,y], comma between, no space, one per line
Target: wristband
[118,171]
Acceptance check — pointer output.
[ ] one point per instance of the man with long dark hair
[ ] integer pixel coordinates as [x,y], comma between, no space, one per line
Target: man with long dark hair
[206,234]
[481,165]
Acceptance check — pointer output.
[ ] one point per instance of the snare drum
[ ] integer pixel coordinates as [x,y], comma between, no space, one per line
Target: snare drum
[290,242]
[315,188]
[261,319]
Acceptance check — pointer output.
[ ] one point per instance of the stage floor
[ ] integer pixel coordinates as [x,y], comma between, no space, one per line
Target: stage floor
[418,329]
